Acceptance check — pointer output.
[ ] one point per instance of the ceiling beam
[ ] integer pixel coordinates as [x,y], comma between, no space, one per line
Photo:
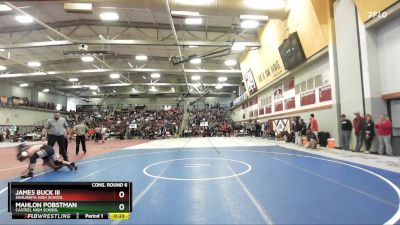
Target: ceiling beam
[143,84]
[161,26]
[144,70]
[39,44]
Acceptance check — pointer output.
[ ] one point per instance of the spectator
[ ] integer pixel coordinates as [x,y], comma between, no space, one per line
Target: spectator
[311,140]
[98,133]
[358,123]
[346,132]
[297,131]
[384,130]
[369,132]
[313,124]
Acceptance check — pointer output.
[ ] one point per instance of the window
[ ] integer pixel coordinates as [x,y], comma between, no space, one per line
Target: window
[297,88]
[310,84]
[318,80]
[303,86]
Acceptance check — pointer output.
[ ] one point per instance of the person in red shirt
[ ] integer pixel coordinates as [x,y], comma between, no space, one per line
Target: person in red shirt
[314,125]
[384,131]
[358,124]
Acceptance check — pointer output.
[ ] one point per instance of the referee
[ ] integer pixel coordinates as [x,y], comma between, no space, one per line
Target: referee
[55,130]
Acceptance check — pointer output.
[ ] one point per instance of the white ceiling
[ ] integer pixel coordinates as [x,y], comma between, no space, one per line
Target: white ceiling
[134,24]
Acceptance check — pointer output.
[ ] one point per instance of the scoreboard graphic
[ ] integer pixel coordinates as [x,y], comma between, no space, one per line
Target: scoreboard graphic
[70,200]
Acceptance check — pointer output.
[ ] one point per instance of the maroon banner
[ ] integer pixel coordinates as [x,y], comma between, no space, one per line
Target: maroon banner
[256,113]
[325,94]
[278,106]
[307,98]
[278,92]
[261,111]
[268,109]
[290,103]
[250,82]
[288,84]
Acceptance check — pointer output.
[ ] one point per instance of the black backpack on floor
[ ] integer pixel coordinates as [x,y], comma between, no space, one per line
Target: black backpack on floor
[323,138]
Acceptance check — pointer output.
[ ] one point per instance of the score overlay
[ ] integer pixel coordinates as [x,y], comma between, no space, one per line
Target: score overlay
[70,200]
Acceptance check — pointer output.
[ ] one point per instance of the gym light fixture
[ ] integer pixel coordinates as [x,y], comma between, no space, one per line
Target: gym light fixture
[218,86]
[115,76]
[141,57]
[230,62]
[193,21]
[2,49]
[195,61]
[155,75]
[4,8]
[195,78]
[2,68]
[254,17]
[249,24]
[73,79]
[153,89]
[238,47]
[262,4]
[87,58]
[109,16]
[185,13]
[45,90]
[134,90]
[34,64]
[222,79]
[78,7]
[194,2]
[24,19]
[172,89]
[24,85]
[93,87]
[94,93]
[193,46]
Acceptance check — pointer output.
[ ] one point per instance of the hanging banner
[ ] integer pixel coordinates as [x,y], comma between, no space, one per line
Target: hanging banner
[240,99]
[278,92]
[325,94]
[268,109]
[278,106]
[290,103]
[250,82]
[307,98]
[288,84]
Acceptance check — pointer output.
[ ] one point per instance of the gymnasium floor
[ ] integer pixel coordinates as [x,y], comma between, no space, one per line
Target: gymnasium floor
[239,181]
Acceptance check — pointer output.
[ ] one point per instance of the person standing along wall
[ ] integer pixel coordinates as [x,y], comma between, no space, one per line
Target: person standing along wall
[369,128]
[346,132]
[297,131]
[384,130]
[359,131]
